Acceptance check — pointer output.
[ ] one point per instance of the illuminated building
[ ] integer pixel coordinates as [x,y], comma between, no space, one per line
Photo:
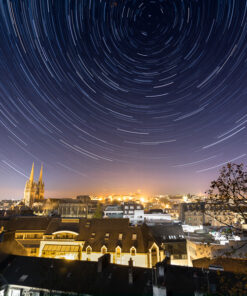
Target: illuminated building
[34,191]
[82,239]
[113,211]
[199,213]
[134,212]
[81,207]
[156,216]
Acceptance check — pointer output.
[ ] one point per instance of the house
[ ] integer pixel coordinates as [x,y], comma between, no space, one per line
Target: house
[113,211]
[134,212]
[171,238]
[81,239]
[156,216]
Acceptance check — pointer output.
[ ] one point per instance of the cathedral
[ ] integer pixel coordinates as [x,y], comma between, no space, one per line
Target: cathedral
[34,191]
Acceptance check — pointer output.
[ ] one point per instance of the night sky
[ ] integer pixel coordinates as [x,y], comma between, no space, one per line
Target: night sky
[116,96]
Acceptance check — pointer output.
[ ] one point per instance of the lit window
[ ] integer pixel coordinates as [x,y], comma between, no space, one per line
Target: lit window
[88,224]
[88,250]
[120,236]
[118,251]
[103,250]
[134,236]
[132,251]
[107,235]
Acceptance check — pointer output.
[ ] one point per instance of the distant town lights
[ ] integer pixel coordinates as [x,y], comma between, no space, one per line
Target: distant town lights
[185,198]
[142,199]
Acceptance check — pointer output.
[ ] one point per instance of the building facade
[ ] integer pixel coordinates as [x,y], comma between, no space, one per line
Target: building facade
[113,211]
[82,239]
[200,213]
[134,212]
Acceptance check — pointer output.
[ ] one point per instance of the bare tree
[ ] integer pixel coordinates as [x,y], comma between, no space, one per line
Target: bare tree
[227,196]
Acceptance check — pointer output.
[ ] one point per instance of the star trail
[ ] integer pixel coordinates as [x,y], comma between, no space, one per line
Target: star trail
[120,95]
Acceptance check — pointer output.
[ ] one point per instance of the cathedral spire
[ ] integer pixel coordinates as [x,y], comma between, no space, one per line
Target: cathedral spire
[41,174]
[31,175]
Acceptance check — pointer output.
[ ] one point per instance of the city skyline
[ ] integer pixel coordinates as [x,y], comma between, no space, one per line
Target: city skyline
[119,96]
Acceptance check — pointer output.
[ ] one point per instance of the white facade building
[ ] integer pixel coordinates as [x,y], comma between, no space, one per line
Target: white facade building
[157,217]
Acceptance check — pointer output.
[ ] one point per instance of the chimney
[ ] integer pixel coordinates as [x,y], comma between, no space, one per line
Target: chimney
[103,262]
[130,272]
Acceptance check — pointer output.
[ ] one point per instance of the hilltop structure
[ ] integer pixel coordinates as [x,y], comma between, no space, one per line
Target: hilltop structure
[34,191]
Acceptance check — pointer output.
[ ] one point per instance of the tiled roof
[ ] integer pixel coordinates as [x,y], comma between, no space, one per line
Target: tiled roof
[92,231]
[167,232]
[229,264]
[27,223]
[115,227]
[56,224]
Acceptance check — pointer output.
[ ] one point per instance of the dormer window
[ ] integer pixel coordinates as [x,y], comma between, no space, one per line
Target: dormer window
[104,250]
[134,236]
[107,235]
[88,250]
[118,251]
[132,251]
[120,236]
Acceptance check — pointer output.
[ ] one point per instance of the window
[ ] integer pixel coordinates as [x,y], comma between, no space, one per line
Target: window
[107,235]
[23,278]
[132,251]
[15,292]
[103,250]
[88,250]
[120,236]
[134,236]
[93,235]
[118,251]
[33,251]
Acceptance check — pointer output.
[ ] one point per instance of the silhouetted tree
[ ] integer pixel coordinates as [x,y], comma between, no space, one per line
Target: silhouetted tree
[228,195]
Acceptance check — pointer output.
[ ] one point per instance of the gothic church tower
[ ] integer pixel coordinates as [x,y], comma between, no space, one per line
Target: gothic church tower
[34,191]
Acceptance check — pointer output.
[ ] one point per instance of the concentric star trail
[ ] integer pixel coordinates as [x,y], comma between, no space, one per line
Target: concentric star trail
[122,94]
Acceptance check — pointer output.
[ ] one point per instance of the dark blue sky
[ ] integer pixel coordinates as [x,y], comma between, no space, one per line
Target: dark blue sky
[115,96]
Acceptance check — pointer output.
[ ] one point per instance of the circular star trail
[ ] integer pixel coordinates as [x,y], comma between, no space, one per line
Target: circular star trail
[122,94]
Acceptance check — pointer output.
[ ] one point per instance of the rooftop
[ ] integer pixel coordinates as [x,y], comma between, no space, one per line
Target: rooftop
[75,276]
